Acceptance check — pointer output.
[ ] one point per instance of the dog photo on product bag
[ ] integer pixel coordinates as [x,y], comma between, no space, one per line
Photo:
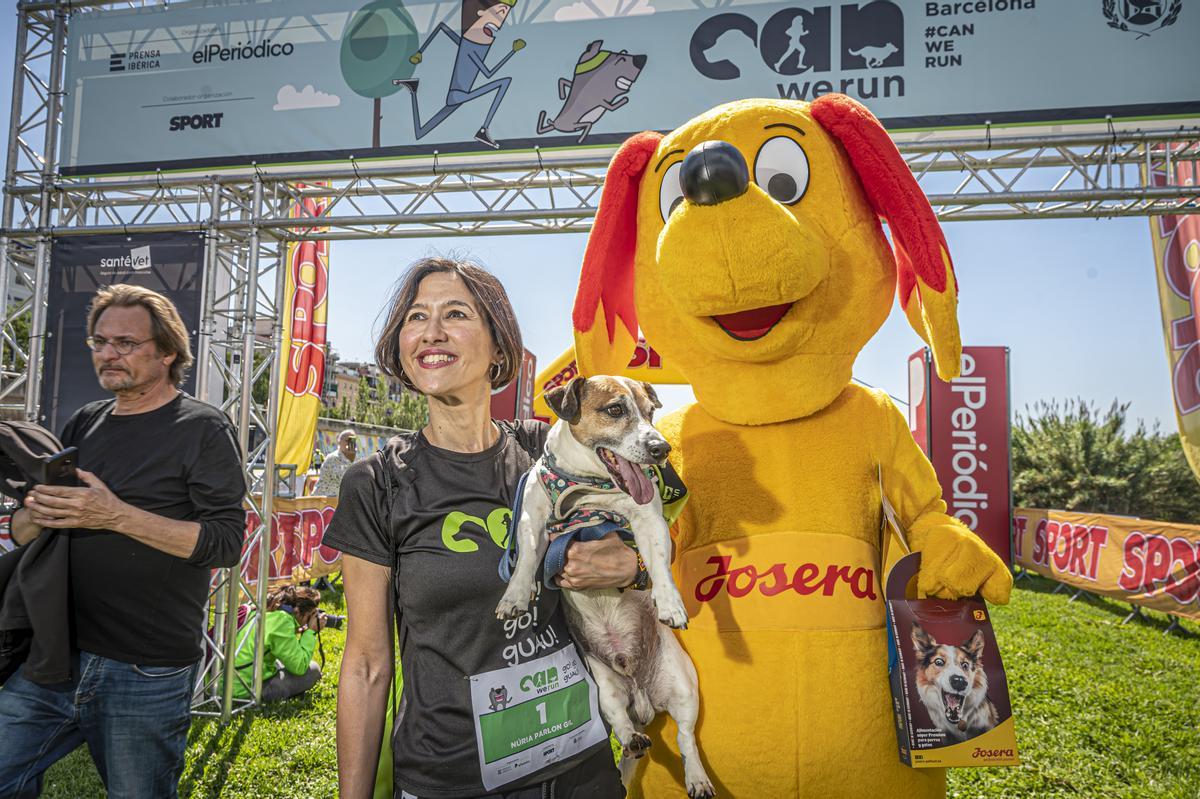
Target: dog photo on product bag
[949,690]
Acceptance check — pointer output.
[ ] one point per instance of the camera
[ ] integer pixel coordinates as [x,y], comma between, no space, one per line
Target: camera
[330,621]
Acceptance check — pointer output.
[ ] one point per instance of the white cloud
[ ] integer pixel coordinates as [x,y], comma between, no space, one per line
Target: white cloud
[289,99]
[602,9]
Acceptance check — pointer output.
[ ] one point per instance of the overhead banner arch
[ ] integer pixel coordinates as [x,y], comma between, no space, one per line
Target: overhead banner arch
[198,85]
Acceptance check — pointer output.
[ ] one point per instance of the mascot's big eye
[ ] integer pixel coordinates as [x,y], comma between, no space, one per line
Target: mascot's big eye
[671,193]
[781,169]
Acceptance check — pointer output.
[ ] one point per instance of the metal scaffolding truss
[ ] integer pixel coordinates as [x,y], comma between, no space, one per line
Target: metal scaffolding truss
[985,175]
[984,178]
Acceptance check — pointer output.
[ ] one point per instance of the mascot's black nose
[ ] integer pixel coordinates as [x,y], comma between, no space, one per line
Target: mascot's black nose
[713,172]
[639,61]
[958,683]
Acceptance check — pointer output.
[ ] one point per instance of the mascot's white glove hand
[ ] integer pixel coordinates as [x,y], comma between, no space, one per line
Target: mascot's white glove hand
[956,563]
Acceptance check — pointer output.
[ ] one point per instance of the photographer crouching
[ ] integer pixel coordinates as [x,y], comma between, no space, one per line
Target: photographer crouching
[293,623]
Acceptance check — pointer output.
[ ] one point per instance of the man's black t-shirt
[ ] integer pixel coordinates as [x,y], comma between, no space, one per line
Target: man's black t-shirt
[131,602]
[449,516]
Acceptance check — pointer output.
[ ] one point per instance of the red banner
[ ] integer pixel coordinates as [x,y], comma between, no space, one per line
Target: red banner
[297,527]
[515,401]
[963,427]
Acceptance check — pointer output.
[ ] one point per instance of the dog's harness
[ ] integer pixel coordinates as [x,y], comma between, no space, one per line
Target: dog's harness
[569,520]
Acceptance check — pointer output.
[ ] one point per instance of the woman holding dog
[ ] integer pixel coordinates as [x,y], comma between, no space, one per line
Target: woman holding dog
[422,526]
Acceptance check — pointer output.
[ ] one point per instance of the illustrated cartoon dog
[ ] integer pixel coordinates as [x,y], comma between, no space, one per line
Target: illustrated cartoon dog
[747,246]
[953,685]
[601,83]
[498,697]
[875,56]
[594,462]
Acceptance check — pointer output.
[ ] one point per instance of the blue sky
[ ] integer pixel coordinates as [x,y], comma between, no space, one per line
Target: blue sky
[1074,300]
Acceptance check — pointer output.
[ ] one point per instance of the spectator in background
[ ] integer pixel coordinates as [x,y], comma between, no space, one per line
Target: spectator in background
[159,507]
[293,621]
[335,465]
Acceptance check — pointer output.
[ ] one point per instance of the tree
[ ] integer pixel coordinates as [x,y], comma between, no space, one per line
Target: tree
[376,47]
[18,335]
[1077,459]
[374,407]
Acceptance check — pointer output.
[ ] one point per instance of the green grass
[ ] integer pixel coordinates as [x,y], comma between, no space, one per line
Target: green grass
[286,750]
[1102,710]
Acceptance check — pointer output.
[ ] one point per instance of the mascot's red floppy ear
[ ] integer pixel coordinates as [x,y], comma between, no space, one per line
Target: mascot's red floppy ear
[605,318]
[925,281]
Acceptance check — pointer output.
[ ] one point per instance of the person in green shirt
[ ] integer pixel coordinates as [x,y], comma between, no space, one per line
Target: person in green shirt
[293,620]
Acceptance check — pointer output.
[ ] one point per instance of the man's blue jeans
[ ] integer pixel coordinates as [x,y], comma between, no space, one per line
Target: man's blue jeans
[134,719]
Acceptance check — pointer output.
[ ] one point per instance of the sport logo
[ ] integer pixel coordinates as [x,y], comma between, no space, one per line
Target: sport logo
[196,121]
[1142,17]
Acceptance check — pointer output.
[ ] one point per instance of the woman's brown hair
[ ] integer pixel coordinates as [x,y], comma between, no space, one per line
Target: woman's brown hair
[166,326]
[493,304]
[303,599]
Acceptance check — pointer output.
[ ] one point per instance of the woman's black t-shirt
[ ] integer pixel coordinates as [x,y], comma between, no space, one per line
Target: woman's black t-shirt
[449,516]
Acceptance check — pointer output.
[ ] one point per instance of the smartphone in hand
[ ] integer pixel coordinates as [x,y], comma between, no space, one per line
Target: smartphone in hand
[59,468]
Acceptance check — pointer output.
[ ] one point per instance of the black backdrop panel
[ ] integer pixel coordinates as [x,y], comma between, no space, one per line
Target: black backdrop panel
[169,263]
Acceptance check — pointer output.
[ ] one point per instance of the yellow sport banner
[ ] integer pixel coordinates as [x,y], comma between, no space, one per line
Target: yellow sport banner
[302,369]
[1153,564]
[1177,264]
[646,365]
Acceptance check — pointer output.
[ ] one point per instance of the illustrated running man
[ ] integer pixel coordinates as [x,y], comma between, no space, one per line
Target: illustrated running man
[795,33]
[481,19]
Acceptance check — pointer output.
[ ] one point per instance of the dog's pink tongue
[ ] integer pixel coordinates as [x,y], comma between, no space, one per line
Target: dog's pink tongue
[639,485]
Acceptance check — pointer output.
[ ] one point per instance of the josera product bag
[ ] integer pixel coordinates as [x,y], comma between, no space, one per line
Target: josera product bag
[949,691]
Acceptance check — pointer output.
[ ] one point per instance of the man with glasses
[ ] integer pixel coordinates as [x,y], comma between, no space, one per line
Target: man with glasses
[158,506]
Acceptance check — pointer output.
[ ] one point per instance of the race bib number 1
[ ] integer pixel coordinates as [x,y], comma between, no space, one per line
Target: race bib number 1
[534,714]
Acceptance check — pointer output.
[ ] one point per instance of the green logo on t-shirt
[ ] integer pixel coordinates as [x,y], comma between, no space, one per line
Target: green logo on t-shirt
[496,526]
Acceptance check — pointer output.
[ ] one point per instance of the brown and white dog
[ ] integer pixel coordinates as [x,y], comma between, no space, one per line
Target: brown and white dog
[604,431]
[953,685]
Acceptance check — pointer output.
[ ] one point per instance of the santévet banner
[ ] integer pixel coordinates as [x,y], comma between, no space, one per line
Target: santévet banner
[1148,563]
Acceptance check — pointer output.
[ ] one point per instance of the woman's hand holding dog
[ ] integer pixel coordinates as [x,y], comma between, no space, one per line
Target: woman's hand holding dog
[604,563]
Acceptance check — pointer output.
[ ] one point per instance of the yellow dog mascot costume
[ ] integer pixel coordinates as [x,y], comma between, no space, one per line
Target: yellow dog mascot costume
[747,245]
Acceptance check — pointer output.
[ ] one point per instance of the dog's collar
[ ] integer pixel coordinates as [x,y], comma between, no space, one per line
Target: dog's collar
[550,466]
